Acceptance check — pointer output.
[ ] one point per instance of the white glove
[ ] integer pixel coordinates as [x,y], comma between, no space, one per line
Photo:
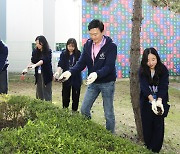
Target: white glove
[64,76]
[24,71]
[56,75]
[159,104]
[154,107]
[91,78]
[32,66]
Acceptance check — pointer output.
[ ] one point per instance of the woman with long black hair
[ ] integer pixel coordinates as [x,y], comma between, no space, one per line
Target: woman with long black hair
[154,80]
[41,62]
[68,59]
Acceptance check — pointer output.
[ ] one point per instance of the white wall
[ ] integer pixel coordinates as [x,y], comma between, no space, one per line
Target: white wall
[68,20]
[25,22]
[3,20]
[49,22]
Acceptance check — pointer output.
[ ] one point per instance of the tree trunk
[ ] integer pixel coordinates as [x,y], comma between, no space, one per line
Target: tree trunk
[134,65]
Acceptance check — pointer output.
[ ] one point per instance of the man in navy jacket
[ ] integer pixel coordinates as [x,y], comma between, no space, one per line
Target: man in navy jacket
[99,56]
[3,68]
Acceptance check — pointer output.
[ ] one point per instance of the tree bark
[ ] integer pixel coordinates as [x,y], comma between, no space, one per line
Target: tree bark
[134,65]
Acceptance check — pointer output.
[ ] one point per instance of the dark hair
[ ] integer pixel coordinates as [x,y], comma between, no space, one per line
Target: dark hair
[95,23]
[144,68]
[45,46]
[73,42]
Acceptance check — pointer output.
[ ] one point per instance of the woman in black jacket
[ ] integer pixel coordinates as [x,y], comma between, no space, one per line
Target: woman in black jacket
[154,80]
[41,62]
[68,59]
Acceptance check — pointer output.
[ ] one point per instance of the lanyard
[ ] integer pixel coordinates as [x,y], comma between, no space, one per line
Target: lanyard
[101,45]
[73,60]
[154,89]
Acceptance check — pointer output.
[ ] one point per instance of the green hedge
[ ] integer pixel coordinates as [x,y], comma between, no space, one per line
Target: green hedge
[45,128]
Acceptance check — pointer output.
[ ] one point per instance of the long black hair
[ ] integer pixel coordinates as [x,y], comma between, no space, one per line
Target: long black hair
[145,70]
[74,43]
[43,42]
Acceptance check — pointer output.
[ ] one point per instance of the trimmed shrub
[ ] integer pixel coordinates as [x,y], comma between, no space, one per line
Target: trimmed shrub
[49,129]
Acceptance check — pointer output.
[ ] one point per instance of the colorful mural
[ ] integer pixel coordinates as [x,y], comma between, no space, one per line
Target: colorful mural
[160,29]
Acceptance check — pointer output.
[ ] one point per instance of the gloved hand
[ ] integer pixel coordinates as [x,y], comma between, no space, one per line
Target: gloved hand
[160,105]
[91,78]
[24,71]
[32,66]
[64,76]
[56,76]
[154,107]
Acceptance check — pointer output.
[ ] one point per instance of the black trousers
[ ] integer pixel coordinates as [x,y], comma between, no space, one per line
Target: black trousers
[66,92]
[3,82]
[153,129]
